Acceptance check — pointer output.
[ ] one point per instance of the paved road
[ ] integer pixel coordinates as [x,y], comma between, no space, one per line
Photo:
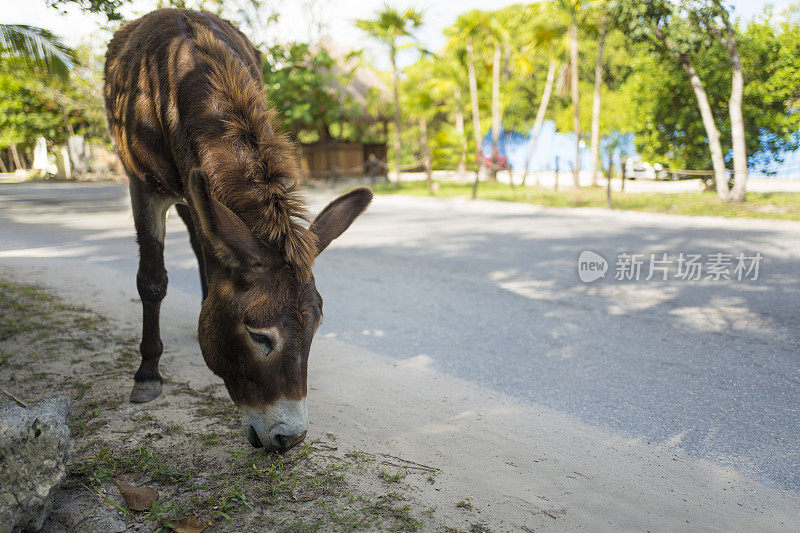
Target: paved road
[489,292]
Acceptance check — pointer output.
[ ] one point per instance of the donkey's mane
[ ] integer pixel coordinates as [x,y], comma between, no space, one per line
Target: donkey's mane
[256,173]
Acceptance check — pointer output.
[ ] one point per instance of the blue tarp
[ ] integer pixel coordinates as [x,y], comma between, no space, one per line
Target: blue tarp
[550,145]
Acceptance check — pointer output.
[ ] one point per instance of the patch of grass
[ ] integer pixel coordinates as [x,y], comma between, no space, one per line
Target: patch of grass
[360,456]
[82,387]
[395,477]
[145,417]
[464,504]
[300,526]
[782,206]
[143,462]
[173,429]
[210,438]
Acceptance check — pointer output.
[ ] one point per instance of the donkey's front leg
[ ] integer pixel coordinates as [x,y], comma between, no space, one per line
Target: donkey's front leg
[149,215]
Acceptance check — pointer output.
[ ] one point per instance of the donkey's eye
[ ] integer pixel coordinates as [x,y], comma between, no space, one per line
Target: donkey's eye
[261,339]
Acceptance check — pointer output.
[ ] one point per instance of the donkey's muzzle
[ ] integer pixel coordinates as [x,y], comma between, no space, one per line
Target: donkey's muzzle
[278,427]
[278,442]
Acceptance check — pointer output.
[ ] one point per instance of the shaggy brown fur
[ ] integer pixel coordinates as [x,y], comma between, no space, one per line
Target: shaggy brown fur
[252,169]
[185,103]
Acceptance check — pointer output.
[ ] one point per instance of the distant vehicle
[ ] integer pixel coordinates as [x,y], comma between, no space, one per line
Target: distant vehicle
[486,162]
[644,170]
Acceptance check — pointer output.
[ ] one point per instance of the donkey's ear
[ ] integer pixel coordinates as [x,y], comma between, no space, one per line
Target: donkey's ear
[338,215]
[232,241]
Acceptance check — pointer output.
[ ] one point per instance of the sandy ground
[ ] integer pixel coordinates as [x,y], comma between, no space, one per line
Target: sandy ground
[515,467]
[510,466]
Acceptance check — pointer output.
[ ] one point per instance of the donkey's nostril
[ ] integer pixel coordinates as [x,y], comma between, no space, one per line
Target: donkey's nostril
[284,442]
[280,441]
[252,436]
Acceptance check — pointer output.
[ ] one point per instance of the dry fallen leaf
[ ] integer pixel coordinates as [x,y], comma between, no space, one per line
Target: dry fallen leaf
[137,498]
[187,524]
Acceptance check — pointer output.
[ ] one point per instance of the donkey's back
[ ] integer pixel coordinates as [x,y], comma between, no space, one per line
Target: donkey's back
[157,75]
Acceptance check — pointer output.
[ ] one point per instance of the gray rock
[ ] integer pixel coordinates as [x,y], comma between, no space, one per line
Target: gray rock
[33,453]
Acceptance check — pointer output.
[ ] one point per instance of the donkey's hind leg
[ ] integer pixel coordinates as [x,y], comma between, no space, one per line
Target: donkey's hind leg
[149,216]
[186,216]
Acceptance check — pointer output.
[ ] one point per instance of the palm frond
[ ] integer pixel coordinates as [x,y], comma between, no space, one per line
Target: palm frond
[564,80]
[38,48]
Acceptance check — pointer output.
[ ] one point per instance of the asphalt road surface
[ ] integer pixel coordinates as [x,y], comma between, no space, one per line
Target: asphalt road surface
[490,292]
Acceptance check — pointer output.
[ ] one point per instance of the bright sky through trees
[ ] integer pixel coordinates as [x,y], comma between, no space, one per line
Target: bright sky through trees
[76,27]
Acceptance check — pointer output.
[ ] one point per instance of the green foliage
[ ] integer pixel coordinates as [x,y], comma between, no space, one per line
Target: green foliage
[109,8]
[37,48]
[301,86]
[390,26]
[771,64]
[26,108]
[645,91]
[665,117]
[33,105]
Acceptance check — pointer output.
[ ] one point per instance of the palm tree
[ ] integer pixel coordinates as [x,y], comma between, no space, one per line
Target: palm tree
[468,30]
[496,35]
[547,37]
[37,48]
[422,101]
[445,87]
[390,27]
[598,81]
[571,9]
[481,27]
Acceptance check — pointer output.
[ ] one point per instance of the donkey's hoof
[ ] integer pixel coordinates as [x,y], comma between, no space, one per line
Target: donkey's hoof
[145,391]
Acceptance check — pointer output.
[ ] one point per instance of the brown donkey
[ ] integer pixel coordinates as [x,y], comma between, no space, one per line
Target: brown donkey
[186,106]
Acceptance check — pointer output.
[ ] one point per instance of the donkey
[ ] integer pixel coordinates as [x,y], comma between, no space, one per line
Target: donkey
[186,106]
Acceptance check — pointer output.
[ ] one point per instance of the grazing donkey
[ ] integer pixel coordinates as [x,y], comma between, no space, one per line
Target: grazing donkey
[186,105]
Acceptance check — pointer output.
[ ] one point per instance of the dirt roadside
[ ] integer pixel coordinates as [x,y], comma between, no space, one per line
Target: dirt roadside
[392,444]
[180,462]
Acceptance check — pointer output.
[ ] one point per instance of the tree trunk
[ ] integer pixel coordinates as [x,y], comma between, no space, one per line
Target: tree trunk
[598,81]
[558,170]
[537,125]
[426,153]
[608,179]
[714,145]
[576,100]
[476,120]
[3,165]
[462,160]
[15,156]
[495,110]
[396,87]
[737,123]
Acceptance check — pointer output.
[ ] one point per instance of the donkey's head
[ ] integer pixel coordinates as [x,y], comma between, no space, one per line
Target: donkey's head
[259,318]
